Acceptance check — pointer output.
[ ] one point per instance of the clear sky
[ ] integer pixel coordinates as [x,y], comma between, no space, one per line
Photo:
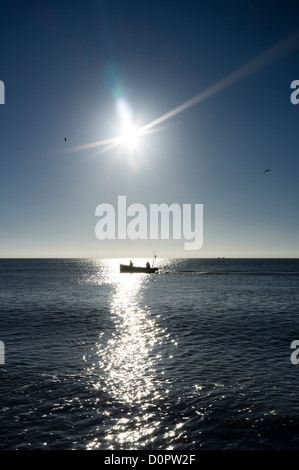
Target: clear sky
[71,66]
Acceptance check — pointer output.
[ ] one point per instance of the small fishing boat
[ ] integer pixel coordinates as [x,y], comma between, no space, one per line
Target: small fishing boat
[130,268]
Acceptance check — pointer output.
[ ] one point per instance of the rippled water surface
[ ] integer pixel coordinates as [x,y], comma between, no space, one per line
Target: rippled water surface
[194,357]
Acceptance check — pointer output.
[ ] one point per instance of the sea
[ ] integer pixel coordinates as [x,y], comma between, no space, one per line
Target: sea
[199,356]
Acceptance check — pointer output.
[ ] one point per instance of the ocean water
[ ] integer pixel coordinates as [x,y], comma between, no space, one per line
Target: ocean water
[195,357]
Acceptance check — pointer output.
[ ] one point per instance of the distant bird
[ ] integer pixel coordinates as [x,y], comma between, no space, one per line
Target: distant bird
[267,171]
[65,139]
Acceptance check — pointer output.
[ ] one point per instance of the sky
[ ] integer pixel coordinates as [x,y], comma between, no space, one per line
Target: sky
[82,69]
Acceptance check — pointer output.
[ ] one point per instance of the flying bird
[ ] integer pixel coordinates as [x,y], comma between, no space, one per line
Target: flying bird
[65,139]
[266,171]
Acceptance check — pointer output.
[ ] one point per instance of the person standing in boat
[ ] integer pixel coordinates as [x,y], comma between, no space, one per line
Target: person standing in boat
[147,265]
[131,263]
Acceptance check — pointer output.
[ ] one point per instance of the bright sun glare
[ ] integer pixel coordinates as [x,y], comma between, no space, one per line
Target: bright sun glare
[129,136]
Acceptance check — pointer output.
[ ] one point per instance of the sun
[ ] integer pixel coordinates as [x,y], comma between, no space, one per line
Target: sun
[130,136]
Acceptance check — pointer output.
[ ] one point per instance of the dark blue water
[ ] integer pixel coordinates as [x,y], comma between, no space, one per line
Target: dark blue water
[194,357]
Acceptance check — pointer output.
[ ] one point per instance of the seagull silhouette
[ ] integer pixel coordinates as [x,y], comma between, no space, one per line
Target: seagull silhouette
[65,139]
[266,171]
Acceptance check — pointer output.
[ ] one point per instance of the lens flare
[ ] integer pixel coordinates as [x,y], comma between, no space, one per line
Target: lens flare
[131,134]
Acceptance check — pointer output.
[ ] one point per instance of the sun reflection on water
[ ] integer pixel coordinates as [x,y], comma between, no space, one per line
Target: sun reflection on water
[127,359]
[129,364]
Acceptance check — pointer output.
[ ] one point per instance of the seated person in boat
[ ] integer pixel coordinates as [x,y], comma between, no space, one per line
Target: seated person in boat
[147,265]
[131,263]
